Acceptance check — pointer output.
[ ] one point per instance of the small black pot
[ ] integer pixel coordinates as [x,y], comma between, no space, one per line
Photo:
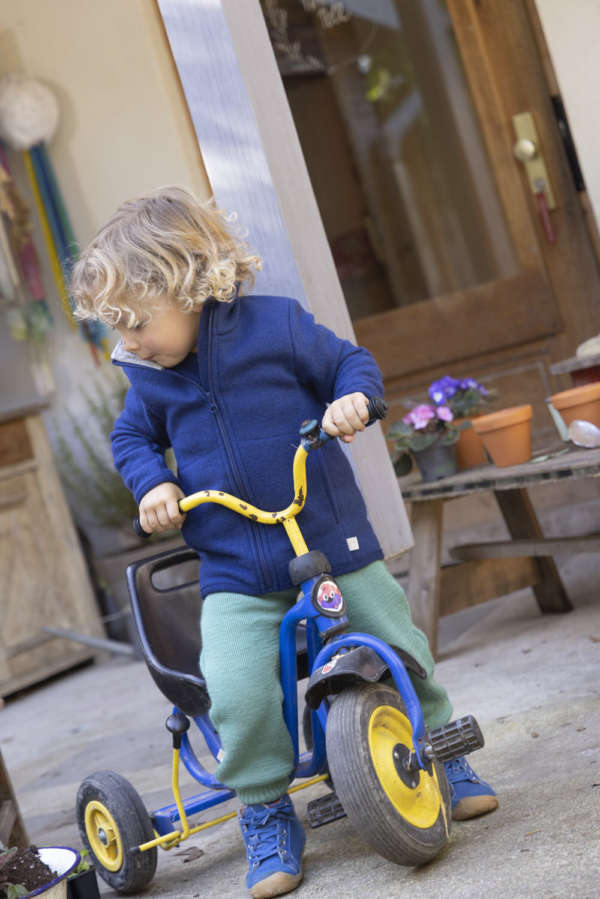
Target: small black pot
[437,461]
[83,886]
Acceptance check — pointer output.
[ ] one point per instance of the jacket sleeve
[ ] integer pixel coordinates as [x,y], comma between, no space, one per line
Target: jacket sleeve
[331,365]
[139,441]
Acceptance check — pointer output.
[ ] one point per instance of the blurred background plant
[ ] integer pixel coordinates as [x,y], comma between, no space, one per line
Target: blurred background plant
[464,396]
[421,428]
[101,504]
[84,456]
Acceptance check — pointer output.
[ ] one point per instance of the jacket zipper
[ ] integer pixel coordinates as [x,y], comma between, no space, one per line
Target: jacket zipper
[237,476]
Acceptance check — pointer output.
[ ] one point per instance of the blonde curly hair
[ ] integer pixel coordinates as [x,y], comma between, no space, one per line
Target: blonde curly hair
[164,245]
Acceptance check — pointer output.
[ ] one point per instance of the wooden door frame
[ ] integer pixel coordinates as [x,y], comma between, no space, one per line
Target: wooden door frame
[508,312]
[502,45]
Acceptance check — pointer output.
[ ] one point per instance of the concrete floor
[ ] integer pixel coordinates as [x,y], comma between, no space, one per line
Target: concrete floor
[532,681]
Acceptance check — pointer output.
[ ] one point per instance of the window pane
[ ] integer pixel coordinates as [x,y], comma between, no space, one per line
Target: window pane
[393,148]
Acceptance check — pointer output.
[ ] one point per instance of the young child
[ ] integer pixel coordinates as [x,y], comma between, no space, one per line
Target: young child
[226,380]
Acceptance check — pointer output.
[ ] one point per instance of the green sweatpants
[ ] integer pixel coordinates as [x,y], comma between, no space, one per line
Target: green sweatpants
[240,661]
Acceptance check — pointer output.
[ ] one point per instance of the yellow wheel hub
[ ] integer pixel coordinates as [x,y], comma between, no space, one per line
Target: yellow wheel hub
[390,743]
[104,837]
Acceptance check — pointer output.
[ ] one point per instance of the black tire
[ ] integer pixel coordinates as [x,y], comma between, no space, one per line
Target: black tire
[307,728]
[406,821]
[104,796]
[308,739]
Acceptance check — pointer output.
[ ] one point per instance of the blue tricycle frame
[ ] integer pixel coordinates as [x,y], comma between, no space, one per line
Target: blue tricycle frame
[399,800]
[314,761]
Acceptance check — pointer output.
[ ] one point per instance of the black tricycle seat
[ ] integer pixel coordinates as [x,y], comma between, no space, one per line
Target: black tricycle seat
[166,604]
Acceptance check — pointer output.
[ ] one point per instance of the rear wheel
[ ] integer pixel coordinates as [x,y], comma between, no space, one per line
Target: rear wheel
[402,811]
[112,821]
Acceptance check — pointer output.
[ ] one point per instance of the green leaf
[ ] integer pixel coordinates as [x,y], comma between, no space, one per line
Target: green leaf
[449,437]
[15,890]
[83,865]
[400,429]
[422,441]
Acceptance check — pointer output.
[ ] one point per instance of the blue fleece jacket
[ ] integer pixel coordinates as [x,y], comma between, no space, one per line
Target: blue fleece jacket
[232,412]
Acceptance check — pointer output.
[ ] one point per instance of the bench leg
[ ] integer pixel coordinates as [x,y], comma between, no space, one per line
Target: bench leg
[12,829]
[424,576]
[521,520]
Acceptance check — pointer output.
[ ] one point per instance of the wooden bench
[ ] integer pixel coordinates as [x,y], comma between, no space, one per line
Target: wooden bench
[488,570]
[583,369]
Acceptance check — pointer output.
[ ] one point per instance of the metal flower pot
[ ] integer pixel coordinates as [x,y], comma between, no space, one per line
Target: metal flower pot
[436,461]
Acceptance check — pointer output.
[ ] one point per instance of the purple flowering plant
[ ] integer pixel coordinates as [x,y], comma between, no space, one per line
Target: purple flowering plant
[422,427]
[464,396]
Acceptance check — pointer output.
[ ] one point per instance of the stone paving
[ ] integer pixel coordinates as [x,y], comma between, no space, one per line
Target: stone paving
[533,683]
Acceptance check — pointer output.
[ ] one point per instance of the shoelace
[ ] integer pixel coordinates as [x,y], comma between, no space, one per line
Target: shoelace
[269,835]
[459,769]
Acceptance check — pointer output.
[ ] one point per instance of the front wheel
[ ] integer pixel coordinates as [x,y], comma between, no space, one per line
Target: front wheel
[112,821]
[404,814]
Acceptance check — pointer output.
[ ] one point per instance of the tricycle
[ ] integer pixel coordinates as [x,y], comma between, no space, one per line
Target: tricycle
[362,723]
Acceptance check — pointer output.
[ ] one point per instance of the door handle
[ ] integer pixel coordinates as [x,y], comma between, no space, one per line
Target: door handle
[527,150]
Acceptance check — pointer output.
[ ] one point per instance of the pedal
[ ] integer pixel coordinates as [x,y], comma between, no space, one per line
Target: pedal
[456,738]
[324,810]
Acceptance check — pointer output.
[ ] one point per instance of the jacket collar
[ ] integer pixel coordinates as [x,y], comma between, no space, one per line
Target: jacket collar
[226,314]
[121,356]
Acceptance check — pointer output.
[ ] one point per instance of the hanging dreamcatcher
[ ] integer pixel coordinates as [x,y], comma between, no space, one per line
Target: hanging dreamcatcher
[28,119]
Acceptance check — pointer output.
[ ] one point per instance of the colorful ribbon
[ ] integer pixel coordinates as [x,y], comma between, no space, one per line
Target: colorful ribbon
[60,240]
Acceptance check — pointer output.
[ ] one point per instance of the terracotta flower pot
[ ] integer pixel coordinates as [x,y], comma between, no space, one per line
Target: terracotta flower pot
[506,435]
[437,461]
[579,403]
[470,451]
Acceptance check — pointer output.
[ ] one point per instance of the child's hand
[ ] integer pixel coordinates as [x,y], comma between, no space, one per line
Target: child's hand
[159,510]
[346,416]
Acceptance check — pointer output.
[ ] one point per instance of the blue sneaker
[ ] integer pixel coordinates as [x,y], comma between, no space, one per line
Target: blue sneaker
[470,795]
[274,841]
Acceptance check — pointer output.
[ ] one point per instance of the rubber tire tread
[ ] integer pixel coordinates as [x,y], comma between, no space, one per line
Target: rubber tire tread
[359,788]
[135,827]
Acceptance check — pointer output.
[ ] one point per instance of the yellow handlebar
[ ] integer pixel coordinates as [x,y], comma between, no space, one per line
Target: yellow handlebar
[286,517]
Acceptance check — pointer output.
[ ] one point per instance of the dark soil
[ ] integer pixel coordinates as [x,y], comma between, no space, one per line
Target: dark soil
[24,866]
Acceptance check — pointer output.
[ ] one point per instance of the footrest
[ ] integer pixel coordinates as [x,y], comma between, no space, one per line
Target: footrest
[324,810]
[456,738]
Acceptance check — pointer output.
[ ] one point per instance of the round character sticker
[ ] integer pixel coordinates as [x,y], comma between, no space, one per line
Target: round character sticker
[329,597]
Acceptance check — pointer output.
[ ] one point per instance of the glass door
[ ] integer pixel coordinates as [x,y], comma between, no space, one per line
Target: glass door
[430,233]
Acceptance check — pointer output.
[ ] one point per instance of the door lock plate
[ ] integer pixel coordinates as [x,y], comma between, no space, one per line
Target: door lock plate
[527,151]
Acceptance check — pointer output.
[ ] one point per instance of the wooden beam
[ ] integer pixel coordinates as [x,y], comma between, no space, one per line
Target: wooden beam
[472,583]
[12,829]
[424,578]
[521,521]
[8,817]
[511,549]
[456,326]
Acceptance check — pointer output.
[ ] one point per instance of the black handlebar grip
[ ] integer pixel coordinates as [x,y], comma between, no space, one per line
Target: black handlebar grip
[377,408]
[139,530]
